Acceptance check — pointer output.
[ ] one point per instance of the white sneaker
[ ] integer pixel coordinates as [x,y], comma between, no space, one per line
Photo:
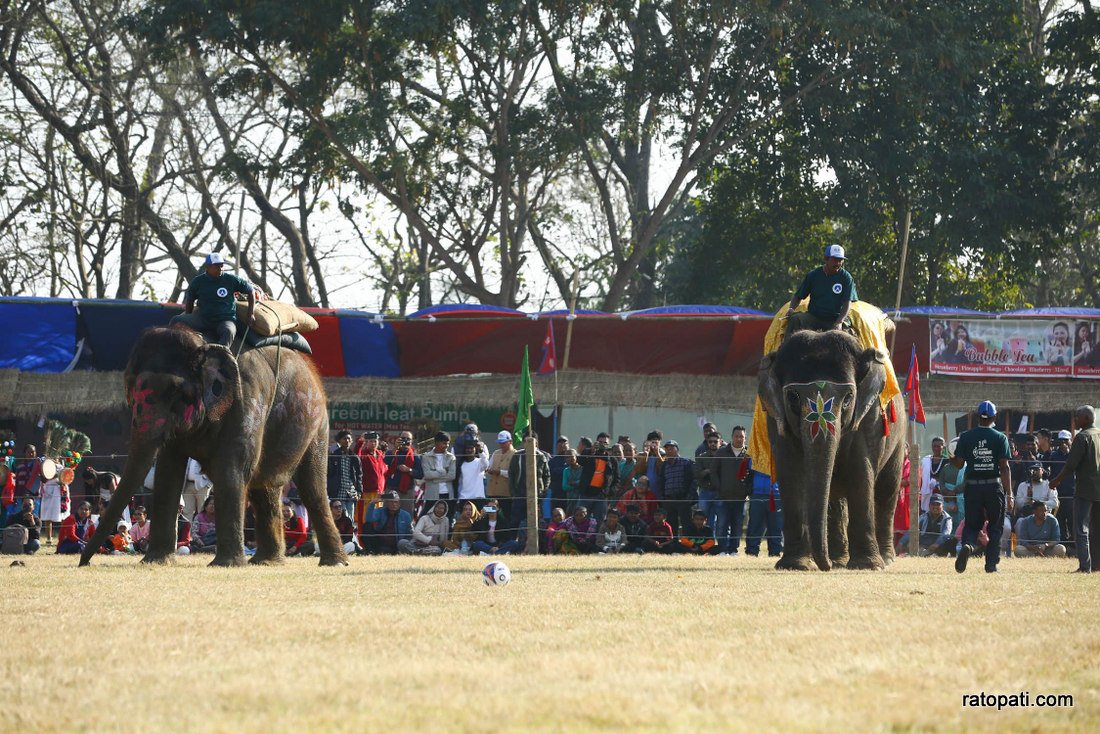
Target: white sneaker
[483,553]
[722,554]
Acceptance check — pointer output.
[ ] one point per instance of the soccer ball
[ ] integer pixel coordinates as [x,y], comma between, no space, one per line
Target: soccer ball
[496,574]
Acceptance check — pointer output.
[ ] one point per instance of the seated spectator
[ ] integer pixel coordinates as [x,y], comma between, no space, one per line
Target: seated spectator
[491,533]
[120,542]
[386,526]
[76,530]
[659,536]
[642,496]
[139,531]
[204,535]
[462,533]
[1035,488]
[26,518]
[698,538]
[577,534]
[636,530]
[183,531]
[1039,534]
[935,531]
[294,532]
[611,537]
[429,534]
[557,517]
[344,525]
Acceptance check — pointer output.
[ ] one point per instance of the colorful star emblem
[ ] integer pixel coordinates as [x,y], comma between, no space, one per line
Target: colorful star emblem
[821,416]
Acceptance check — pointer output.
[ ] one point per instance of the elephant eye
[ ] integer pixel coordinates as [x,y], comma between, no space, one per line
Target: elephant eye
[848,399]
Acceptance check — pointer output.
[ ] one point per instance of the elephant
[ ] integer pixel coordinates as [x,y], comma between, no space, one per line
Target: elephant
[836,457]
[253,422]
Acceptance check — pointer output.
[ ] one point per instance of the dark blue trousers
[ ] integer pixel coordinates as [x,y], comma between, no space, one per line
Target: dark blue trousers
[985,502]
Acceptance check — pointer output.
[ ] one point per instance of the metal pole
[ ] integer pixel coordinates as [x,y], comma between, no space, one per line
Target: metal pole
[914,495]
[901,271]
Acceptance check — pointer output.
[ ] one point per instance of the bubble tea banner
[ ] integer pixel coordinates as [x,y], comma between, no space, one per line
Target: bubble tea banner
[1014,348]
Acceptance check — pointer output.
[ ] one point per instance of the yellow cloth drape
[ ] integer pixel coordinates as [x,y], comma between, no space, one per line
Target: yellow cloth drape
[869,323]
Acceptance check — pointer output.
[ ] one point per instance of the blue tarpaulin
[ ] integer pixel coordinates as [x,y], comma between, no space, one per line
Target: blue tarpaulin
[111,328]
[39,334]
[370,346]
[701,310]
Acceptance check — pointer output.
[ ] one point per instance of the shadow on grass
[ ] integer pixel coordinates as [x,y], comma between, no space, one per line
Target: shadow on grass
[571,571]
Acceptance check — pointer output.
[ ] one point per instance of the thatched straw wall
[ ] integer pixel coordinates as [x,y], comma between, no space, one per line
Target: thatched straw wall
[30,394]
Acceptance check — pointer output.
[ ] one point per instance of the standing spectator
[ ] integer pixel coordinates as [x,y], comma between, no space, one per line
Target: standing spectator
[204,532]
[611,537]
[931,468]
[345,474]
[196,488]
[702,448]
[429,535]
[55,505]
[678,480]
[1038,534]
[439,470]
[627,463]
[26,517]
[707,478]
[650,460]
[952,483]
[344,526]
[28,477]
[403,468]
[373,462]
[470,472]
[76,530]
[1083,462]
[471,434]
[183,531]
[498,467]
[1043,444]
[517,478]
[1067,490]
[571,481]
[985,452]
[901,510]
[1020,464]
[386,526]
[577,535]
[595,477]
[765,516]
[557,463]
[734,484]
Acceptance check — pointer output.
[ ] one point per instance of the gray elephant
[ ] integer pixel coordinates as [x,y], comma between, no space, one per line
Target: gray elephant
[839,472]
[252,424]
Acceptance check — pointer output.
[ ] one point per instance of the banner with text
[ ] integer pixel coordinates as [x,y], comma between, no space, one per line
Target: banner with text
[1014,347]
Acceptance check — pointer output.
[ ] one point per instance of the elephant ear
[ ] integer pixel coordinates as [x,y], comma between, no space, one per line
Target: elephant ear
[871,379]
[221,381]
[770,392]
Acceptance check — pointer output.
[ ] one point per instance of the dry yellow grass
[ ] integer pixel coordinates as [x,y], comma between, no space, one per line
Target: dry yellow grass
[591,644]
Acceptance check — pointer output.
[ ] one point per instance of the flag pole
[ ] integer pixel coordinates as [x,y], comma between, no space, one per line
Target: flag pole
[914,494]
[901,272]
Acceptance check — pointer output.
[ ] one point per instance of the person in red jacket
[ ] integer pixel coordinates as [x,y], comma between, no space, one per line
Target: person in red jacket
[76,530]
[660,538]
[294,531]
[374,475]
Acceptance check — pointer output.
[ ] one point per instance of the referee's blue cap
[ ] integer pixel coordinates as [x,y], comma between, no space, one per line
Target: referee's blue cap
[986,409]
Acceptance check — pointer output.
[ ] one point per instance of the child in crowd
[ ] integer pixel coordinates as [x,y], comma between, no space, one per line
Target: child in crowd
[76,530]
[204,534]
[120,542]
[636,530]
[659,538]
[698,538]
[571,480]
[139,532]
[611,537]
[557,517]
[294,531]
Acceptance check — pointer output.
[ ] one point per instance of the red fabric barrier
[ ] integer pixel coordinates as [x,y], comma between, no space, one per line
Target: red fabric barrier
[328,351]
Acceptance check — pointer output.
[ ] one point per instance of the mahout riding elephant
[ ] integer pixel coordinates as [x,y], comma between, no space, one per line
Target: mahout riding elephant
[252,424]
[837,454]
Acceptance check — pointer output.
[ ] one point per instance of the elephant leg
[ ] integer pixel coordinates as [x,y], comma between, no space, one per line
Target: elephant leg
[863,542]
[311,479]
[796,534]
[167,490]
[270,540]
[230,477]
[838,530]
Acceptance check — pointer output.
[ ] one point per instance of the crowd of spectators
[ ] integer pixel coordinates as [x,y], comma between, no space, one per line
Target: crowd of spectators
[601,497]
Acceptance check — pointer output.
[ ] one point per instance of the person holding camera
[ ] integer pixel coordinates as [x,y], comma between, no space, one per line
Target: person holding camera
[403,469]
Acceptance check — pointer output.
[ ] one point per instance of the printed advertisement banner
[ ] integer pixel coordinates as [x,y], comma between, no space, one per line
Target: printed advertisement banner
[1014,348]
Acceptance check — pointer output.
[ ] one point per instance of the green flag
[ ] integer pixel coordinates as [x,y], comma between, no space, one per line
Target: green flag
[526,401]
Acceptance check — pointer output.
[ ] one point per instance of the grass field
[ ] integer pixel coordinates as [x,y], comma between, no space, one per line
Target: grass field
[572,644]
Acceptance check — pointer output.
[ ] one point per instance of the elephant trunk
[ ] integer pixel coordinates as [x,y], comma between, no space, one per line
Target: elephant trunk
[140,460]
[817,498]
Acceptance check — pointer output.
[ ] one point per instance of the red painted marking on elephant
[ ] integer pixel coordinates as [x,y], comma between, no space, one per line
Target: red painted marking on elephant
[140,397]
